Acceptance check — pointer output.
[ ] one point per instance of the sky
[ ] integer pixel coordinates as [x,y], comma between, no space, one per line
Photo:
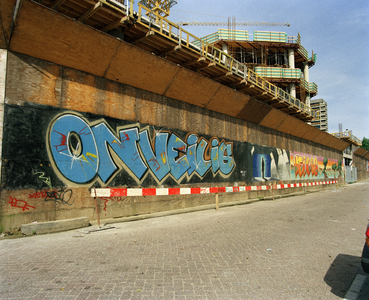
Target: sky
[336,30]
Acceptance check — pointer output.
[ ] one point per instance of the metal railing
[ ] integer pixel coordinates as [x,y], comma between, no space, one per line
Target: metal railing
[183,38]
[273,72]
[347,135]
[270,72]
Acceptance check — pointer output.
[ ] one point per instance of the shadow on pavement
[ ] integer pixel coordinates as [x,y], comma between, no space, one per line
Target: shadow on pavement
[341,273]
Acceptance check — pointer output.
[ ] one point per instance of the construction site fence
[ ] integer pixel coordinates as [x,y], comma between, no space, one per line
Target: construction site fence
[270,36]
[183,38]
[350,174]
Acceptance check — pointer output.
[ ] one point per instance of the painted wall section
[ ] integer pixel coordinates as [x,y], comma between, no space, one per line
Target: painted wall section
[66,131]
[269,163]
[82,152]
[307,166]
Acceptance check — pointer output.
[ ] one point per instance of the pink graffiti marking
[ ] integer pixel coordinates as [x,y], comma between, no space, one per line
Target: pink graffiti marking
[81,132]
[116,142]
[125,137]
[41,194]
[63,142]
[19,203]
[135,156]
[106,199]
[155,163]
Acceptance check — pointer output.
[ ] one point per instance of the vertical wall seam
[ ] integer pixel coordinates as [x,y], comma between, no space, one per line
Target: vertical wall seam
[170,83]
[112,58]
[3,69]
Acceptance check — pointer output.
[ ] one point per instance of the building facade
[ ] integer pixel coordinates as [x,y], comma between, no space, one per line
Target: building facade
[281,59]
[321,108]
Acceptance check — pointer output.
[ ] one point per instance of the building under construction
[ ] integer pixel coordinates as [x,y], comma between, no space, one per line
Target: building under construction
[108,113]
[321,108]
[277,57]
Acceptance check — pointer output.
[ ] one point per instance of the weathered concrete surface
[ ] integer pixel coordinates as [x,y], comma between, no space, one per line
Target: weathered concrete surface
[54,226]
[38,90]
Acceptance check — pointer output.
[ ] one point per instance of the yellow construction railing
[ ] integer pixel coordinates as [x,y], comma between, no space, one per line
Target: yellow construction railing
[347,135]
[183,38]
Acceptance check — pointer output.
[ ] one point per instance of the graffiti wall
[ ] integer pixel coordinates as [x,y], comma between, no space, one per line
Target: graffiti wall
[66,131]
[81,152]
[274,164]
[53,156]
[63,148]
[307,166]
[268,164]
[74,149]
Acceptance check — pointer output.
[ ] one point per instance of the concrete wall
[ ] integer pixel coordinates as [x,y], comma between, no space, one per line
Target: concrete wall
[66,131]
[361,164]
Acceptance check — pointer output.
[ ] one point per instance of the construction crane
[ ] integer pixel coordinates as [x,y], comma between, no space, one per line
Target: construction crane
[161,7]
[227,23]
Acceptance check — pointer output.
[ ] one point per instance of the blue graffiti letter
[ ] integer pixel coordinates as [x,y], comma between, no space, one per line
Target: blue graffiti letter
[225,158]
[202,165]
[73,148]
[125,147]
[191,152]
[214,155]
[157,162]
[177,159]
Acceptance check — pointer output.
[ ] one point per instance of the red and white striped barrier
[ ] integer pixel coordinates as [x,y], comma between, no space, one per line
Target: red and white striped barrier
[131,192]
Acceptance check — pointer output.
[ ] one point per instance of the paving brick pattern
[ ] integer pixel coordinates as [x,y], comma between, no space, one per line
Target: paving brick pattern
[303,247]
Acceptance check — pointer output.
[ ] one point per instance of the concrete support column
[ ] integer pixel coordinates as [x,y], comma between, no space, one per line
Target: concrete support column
[293,90]
[306,77]
[291,63]
[291,58]
[225,50]
[307,99]
[306,71]
[3,62]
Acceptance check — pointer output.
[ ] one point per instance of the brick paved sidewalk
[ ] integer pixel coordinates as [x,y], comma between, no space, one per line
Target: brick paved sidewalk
[280,249]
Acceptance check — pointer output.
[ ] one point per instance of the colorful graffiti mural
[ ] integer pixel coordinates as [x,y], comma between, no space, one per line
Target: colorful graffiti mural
[306,166]
[269,163]
[70,149]
[81,152]
[277,164]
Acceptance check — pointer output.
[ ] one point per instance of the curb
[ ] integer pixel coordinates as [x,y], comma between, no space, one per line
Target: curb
[196,208]
[54,226]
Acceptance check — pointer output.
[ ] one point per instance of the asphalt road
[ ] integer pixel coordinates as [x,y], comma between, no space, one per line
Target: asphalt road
[301,247]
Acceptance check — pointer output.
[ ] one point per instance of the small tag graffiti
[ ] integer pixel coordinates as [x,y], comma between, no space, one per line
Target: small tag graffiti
[41,194]
[46,180]
[19,203]
[61,197]
[106,199]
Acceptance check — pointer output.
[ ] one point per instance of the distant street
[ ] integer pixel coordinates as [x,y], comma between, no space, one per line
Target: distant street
[302,247]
